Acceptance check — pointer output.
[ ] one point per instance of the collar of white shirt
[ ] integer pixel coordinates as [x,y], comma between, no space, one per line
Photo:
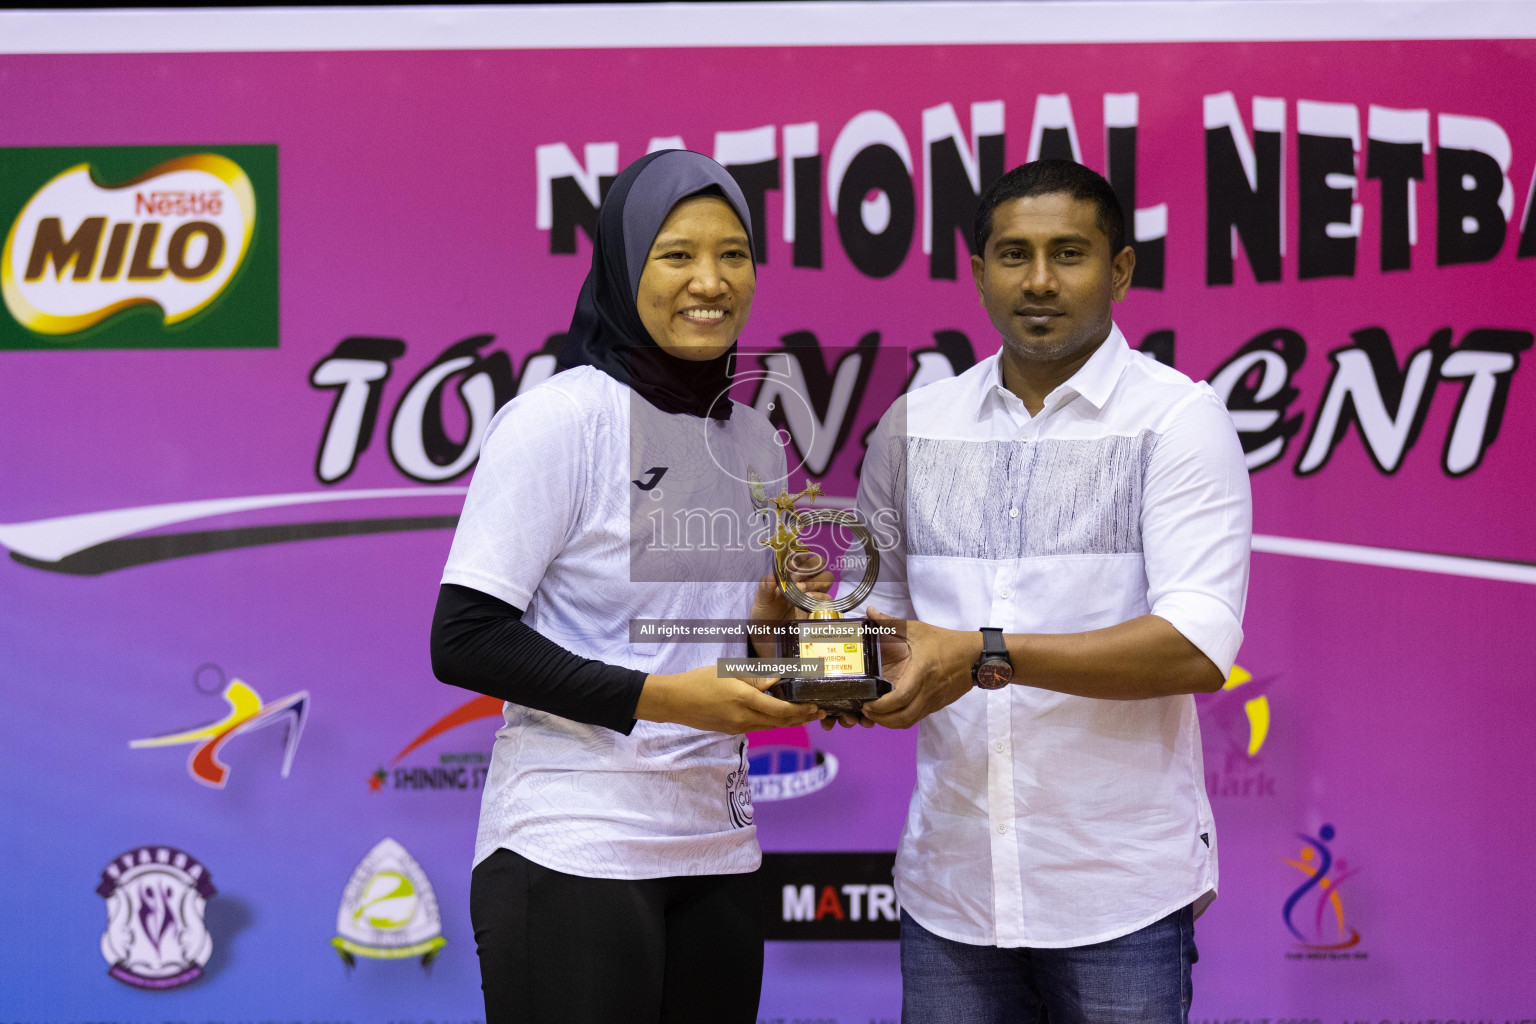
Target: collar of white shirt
[1093,381]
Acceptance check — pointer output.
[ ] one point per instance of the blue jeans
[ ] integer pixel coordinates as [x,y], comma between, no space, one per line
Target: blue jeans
[1140,978]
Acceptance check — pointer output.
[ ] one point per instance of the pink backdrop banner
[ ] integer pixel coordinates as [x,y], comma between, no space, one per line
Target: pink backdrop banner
[1336,234]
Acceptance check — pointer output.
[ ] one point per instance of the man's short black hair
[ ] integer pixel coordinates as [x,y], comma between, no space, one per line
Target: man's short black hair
[1045,177]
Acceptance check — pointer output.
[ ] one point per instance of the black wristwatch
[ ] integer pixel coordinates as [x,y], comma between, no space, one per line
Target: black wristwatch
[993,669]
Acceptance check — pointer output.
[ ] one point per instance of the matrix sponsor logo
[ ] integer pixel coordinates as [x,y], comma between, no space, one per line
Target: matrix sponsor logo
[247,713]
[155,937]
[1314,911]
[388,910]
[816,896]
[139,247]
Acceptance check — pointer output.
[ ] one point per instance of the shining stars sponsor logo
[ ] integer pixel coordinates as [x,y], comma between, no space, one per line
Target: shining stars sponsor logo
[1314,911]
[1235,722]
[783,765]
[388,910]
[247,713]
[139,246]
[448,772]
[155,937]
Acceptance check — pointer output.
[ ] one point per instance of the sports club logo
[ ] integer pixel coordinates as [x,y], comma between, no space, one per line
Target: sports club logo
[783,765]
[1239,714]
[247,713]
[388,910]
[1314,911]
[137,246]
[453,771]
[155,937]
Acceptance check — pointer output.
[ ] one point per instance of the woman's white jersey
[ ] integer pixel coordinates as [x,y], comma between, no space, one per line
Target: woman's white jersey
[591,510]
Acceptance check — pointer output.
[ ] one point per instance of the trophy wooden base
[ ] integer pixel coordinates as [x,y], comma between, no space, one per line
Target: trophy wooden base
[844,695]
[851,657]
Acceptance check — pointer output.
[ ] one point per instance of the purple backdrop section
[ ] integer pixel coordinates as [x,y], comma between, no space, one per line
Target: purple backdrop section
[1397,701]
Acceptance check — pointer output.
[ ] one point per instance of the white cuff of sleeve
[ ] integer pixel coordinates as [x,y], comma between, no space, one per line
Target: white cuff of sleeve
[1205,622]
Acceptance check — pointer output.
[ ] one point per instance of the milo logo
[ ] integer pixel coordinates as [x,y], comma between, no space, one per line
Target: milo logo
[139,246]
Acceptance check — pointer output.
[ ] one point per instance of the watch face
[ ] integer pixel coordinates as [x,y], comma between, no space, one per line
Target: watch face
[994,674]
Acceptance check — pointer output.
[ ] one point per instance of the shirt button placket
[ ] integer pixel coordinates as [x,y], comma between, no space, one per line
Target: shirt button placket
[1007,899]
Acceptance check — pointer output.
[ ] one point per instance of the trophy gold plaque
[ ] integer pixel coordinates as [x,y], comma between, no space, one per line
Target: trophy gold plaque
[848,648]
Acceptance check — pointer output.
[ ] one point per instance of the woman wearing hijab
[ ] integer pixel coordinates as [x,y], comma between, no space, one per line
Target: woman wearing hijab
[612,865]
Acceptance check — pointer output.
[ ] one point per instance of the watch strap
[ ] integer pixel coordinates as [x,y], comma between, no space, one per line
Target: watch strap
[994,652]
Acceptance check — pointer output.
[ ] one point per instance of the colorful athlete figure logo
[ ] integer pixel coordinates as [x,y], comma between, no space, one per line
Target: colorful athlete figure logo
[247,713]
[1324,876]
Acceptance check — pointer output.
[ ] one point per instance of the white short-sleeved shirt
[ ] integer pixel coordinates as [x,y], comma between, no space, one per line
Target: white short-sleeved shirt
[1040,818]
[557,523]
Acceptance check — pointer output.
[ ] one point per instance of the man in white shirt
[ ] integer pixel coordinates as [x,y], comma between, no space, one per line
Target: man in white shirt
[1075,521]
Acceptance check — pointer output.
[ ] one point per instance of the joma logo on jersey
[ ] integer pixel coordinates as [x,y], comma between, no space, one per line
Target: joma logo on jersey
[102,259]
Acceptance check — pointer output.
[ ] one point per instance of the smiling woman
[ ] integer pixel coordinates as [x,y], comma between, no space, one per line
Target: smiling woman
[614,859]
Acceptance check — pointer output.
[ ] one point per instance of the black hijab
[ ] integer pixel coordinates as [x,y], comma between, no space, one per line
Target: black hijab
[606,331]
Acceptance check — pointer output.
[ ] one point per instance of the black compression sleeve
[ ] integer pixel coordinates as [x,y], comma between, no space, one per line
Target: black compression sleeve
[482,644]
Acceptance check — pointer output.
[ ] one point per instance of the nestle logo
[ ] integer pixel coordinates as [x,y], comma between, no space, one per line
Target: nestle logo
[178,204]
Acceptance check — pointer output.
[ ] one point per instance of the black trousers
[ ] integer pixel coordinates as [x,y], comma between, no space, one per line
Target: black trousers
[562,949]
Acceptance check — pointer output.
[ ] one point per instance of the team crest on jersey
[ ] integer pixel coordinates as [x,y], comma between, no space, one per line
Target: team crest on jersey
[738,791]
[388,910]
[155,937]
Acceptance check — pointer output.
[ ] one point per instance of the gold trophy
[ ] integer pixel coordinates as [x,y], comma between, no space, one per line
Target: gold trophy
[849,648]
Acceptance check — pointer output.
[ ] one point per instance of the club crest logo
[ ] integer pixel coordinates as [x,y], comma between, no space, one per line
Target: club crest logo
[388,910]
[247,713]
[155,937]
